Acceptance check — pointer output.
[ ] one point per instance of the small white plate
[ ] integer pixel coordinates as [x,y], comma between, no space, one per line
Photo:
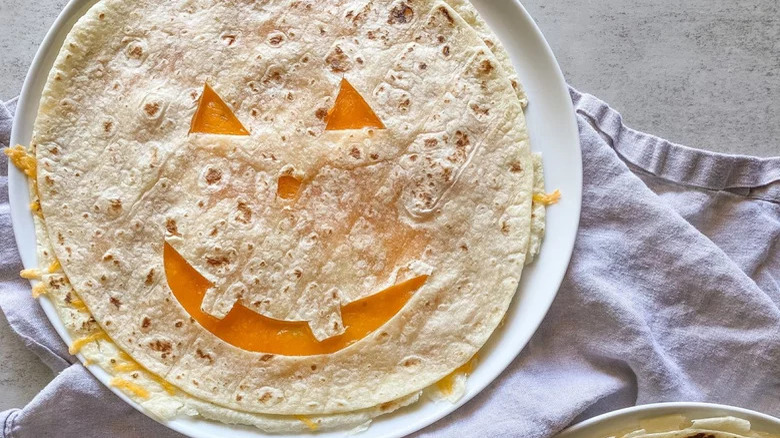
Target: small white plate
[553,131]
[627,420]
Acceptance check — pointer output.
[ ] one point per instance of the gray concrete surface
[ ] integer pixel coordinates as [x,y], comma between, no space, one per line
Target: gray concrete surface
[705,73]
[22,375]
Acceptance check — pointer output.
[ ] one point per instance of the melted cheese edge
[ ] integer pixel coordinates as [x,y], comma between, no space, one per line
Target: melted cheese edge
[547,199]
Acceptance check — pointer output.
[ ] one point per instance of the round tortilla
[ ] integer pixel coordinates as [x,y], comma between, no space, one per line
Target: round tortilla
[116,164]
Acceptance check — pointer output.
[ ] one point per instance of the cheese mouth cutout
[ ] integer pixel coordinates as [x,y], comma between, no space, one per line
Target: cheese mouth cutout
[248,330]
[245,328]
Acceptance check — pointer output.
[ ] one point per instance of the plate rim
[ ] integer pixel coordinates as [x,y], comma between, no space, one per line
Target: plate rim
[656,409]
[29,99]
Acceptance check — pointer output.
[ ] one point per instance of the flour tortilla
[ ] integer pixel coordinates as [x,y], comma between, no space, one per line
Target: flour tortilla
[111,140]
[466,10]
[538,212]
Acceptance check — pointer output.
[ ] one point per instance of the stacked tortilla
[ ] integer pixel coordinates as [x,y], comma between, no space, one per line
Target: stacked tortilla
[441,191]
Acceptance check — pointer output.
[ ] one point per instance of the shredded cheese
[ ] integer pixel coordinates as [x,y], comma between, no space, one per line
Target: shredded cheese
[55,266]
[132,365]
[126,367]
[170,389]
[34,186]
[548,199]
[35,207]
[27,163]
[39,289]
[78,344]
[22,160]
[129,387]
[88,362]
[447,384]
[125,356]
[78,304]
[310,424]
[31,274]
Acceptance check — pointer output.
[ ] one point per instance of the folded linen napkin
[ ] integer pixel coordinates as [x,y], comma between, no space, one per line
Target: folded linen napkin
[673,294]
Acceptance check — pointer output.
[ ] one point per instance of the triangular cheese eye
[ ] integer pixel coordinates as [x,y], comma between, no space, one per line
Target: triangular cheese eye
[350,111]
[213,116]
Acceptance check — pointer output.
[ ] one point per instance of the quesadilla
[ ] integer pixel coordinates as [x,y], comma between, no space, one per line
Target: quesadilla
[283,213]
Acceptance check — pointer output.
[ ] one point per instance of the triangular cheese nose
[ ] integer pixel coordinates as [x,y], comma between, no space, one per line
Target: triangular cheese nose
[213,116]
[350,111]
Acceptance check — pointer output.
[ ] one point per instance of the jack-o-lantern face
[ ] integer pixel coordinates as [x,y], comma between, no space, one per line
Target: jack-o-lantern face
[302,237]
[241,312]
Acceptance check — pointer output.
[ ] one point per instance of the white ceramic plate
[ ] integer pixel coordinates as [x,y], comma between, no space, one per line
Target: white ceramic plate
[553,131]
[627,420]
